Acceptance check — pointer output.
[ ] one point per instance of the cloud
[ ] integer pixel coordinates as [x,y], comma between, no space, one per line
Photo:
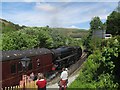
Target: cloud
[45,7]
[73,26]
[81,13]
[60,0]
[58,14]
[32,0]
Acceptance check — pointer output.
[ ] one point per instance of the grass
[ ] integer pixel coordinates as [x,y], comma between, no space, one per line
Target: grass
[73,32]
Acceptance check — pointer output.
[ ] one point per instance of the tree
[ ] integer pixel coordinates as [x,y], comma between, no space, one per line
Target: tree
[113,23]
[93,43]
[47,26]
[96,24]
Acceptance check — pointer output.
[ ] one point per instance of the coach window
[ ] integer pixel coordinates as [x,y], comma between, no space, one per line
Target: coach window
[19,67]
[13,68]
[30,66]
[38,62]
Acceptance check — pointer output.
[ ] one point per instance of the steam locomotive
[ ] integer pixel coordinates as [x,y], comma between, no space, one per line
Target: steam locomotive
[42,60]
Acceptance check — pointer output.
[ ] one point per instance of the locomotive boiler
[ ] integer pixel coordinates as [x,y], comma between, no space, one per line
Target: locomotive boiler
[42,60]
[65,56]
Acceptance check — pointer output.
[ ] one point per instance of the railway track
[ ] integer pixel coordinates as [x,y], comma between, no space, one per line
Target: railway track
[82,60]
[72,69]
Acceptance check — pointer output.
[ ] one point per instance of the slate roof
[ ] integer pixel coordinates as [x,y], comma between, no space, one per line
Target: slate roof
[18,54]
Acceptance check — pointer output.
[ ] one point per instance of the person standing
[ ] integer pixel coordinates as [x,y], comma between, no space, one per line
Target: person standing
[41,82]
[63,79]
[32,76]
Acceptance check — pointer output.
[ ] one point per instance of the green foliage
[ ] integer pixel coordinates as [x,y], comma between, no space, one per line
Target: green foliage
[41,36]
[32,37]
[18,41]
[101,70]
[96,24]
[21,37]
[106,81]
[86,40]
[59,39]
[113,23]
[94,44]
[0,42]
[91,43]
[26,38]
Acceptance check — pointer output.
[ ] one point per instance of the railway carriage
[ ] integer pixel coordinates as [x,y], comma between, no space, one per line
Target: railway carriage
[12,70]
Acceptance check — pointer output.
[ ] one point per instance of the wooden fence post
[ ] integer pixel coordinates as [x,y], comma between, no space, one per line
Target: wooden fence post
[5,88]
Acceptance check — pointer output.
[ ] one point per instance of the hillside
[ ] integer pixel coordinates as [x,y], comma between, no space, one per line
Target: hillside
[72,32]
[8,26]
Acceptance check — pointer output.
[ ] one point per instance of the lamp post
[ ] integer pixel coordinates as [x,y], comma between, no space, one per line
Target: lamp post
[25,62]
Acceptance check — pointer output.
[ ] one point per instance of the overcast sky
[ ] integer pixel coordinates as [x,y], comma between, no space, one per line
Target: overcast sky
[55,14]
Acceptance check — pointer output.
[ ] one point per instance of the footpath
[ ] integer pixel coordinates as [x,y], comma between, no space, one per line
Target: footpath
[70,80]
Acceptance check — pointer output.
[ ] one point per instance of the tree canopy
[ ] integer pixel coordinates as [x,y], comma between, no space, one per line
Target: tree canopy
[96,24]
[33,37]
[113,23]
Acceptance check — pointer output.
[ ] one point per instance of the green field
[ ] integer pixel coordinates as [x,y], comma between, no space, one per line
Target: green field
[72,32]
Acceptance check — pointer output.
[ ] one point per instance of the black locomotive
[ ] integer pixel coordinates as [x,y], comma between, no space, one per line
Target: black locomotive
[65,56]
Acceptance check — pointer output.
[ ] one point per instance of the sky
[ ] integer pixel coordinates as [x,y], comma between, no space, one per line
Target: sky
[55,14]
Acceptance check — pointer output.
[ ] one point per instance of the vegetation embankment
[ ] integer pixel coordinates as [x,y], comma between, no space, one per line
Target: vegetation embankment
[101,70]
[8,26]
